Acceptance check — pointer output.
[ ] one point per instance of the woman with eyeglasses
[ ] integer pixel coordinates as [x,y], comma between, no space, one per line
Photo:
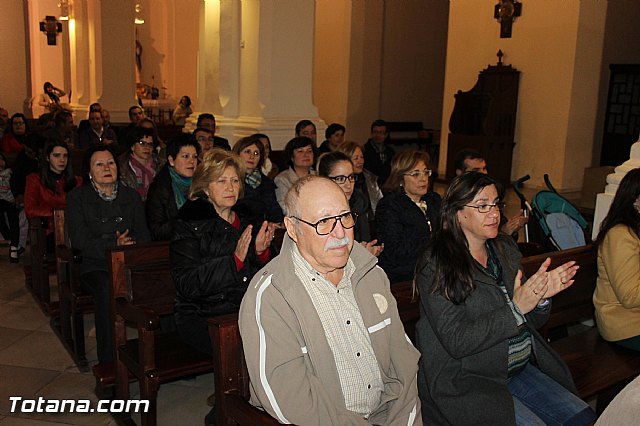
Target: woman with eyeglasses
[367,182]
[15,136]
[339,168]
[259,190]
[100,214]
[170,188]
[407,215]
[139,165]
[483,362]
[216,249]
[300,153]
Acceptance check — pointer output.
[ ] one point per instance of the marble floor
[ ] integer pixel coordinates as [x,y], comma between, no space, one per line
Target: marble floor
[33,364]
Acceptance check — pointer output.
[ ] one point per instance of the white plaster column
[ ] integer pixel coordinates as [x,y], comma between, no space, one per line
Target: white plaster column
[256,67]
[604,199]
[115,58]
[79,55]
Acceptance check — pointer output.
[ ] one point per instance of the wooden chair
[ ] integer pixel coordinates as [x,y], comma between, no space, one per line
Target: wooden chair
[142,291]
[599,368]
[232,378]
[42,264]
[408,306]
[73,303]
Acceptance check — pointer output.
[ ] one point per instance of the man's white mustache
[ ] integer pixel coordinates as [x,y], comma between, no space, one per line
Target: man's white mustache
[331,244]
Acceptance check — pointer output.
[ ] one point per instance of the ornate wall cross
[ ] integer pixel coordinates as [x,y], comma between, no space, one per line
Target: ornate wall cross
[505,12]
[51,27]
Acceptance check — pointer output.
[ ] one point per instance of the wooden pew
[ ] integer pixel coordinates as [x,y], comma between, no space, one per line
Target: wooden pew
[142,291]
[42,264]
[232,378]
[73,302]
[599,368]
[408,306]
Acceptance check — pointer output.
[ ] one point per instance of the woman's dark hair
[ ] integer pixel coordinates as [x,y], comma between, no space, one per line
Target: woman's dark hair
[13,117]
[328,160]
[295,143]
[46,178]
[449,246]
[51,94]
[180,140]
[622,210]
[403,163]
[248,141]
[188,99]
[138,133]
[86,161]
[333,128]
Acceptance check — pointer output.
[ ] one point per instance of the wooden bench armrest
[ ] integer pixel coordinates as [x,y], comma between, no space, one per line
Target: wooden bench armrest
[68,254]
[143,318]
[246,414]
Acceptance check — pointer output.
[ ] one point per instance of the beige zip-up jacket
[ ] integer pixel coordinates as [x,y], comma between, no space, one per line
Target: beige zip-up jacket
[292,369]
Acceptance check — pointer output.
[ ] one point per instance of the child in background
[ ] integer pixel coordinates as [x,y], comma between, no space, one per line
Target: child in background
[9,223]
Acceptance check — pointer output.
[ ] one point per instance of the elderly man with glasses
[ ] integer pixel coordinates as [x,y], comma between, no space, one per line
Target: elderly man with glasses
[322,337]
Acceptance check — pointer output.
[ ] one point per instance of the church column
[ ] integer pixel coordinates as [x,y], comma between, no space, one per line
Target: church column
[257,70]
[79,36]
[115,58]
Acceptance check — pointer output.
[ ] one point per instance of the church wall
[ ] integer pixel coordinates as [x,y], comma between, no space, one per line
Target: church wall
[379,59]
[14,84]
[622,33]
[414,50]
[557,48]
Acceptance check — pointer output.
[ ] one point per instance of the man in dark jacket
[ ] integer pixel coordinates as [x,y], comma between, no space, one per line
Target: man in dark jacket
[377,155]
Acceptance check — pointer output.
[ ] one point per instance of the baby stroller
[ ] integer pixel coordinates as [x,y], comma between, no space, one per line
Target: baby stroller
[554,223]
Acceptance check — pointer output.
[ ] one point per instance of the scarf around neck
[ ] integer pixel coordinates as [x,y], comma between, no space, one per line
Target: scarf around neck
[253,179]
[180,185]
[144,174]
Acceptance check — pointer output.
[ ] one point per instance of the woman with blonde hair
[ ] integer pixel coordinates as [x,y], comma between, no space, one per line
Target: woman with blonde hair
[216,248]
[407,215]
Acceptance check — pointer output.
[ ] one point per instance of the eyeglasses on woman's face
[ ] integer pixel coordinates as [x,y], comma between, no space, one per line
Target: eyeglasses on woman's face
[145,144]
[419,173]
[327,224]
[486,208]
[340,179]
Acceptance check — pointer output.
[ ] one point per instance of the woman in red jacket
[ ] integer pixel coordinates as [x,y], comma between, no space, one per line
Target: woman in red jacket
[47,190]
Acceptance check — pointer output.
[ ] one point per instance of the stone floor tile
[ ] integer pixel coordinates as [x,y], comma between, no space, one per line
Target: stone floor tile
[8,336]
[22,317]
[38,350]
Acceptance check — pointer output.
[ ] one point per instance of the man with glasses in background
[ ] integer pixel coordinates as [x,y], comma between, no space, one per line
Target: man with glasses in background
[322,337]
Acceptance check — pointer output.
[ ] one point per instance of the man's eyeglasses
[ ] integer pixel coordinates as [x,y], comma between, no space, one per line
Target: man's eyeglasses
[417,173]
[145,144]
[340,179]
[325,225]
[486,208]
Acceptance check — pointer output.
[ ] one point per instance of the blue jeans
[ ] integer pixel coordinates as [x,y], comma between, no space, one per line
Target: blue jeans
[540,400]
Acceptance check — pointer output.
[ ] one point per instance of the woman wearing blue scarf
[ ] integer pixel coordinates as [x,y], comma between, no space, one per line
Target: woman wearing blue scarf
[169,190]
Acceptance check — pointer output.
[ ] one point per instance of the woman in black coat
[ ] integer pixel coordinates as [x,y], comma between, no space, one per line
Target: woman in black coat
[483,362]
[170,188]
[259,190]
[102,214]
[216,248]
[407,215]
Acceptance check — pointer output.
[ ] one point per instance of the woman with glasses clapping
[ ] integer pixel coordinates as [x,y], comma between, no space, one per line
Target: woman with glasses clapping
[339,168]
[407,215]
[483,362]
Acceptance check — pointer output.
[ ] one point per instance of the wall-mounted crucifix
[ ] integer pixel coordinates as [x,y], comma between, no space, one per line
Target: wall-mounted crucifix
[51,27]
[505,12]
